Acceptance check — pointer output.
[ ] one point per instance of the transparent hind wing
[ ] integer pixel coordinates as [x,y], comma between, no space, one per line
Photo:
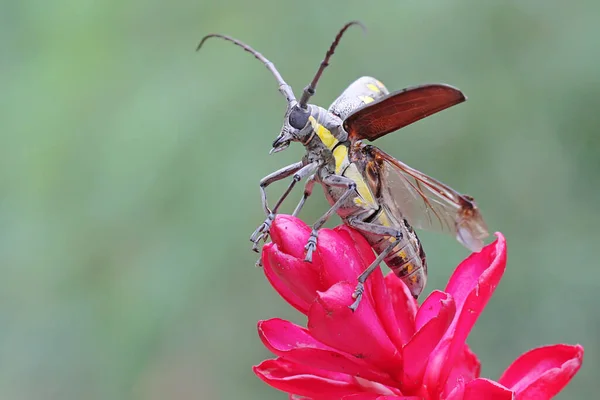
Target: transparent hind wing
[427,203]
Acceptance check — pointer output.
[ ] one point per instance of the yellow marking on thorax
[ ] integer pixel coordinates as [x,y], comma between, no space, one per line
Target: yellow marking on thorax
[373,88]
[366,99]
[324,134]
[340,154]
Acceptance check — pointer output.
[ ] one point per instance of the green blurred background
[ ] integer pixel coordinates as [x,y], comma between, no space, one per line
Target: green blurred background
[129,168]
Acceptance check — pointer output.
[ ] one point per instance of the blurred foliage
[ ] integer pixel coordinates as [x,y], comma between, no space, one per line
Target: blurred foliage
[129,168]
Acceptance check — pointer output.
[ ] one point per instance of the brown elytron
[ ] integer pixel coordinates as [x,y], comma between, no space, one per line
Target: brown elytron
[400,109]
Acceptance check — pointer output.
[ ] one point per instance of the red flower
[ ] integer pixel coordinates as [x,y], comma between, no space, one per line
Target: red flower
[390,348]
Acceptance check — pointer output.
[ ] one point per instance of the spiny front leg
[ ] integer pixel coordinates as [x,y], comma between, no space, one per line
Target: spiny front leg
[378,230]
[278,175]
[299,171]
[330,180]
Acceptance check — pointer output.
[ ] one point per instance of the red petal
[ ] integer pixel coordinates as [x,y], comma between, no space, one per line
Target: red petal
[457,393]
[290,234]
[399,398]
[358,333]
[431,307]
[338,257]
[482,388]
[473,283]
[359,242]
[341,260]
[404,306]
[439,309]
[306,381]
[295,343]
[373,396]
[541,373]
[476,278]
[299,277]
[275,277]
[466,369]
[471,286]
[375,286]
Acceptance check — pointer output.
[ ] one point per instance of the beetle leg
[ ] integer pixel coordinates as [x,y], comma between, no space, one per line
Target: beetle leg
[299,171]
[369,227]
[331,180]
[274,177]
[395,235]
[310,183]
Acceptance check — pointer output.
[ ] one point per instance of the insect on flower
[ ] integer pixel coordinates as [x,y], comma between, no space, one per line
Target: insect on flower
[370,190]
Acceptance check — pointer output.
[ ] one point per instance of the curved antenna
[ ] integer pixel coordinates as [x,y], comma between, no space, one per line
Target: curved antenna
[310,89]
[284,88]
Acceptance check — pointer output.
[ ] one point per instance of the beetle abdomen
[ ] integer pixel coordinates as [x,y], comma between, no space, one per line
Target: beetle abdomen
[413,272]
[407,259]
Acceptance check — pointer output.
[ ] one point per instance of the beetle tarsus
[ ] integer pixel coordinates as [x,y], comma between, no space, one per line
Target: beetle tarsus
[357,296]
[262,232]
[311,246]
[255,243]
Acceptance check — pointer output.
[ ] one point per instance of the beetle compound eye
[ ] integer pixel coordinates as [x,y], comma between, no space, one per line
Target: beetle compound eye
[299,118]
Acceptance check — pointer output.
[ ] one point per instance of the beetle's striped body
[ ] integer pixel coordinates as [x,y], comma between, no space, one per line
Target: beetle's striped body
[407,259]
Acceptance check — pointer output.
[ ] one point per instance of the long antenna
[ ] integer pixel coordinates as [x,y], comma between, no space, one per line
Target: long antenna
[284,88]
[310,89]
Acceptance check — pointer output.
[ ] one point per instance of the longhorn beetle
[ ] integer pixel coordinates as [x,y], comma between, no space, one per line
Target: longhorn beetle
[370,190]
